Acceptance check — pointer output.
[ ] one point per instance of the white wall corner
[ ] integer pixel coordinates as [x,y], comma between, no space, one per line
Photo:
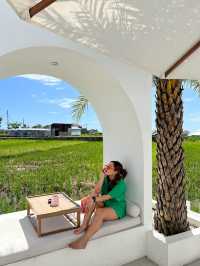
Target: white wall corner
[175,250]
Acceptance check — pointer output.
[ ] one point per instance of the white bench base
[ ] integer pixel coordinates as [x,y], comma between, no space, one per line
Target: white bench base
[19,241]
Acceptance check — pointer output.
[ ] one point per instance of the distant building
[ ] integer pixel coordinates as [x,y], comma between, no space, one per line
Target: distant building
[55,130]
[92,131]
[74,131]
[62,130]
[84,130]
[27,132]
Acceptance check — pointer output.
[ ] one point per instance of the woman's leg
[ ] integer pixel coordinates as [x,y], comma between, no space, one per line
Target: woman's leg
[87,218]
[101,214]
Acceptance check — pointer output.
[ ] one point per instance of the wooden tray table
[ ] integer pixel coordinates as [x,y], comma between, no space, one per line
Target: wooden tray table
[41,209]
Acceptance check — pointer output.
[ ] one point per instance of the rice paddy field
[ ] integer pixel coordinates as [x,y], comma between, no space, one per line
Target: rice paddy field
[41,166]
[29,167]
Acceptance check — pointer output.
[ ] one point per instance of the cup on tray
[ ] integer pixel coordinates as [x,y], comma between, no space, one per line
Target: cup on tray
[54,201]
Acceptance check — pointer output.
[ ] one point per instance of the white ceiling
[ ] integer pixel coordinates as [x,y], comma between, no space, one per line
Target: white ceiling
[150,34]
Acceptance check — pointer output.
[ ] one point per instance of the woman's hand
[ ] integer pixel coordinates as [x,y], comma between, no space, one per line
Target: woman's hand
[93,194]
[103,171]
[86,203]
[90,203]
[103,198]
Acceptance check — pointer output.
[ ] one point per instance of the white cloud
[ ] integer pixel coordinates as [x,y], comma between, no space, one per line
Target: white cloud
[45,80]
[195,117]
[64,103]
[188,100]
[53,113]
[33,95]
[60,88]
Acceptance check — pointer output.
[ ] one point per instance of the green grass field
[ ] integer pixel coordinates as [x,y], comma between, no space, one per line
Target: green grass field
[41,166]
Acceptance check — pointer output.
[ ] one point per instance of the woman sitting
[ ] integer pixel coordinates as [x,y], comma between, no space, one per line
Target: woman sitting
[107,202]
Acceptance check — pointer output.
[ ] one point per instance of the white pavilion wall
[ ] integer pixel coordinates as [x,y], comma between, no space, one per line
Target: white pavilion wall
[120,94]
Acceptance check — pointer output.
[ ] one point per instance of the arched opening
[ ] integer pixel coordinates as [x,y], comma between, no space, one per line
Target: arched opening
[122,134]
[33,159]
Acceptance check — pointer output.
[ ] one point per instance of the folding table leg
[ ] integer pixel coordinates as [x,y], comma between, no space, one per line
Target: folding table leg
[28,209]
[39,226]
[78,218]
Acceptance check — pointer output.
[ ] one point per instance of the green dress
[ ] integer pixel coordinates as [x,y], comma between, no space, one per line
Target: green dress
[117,202]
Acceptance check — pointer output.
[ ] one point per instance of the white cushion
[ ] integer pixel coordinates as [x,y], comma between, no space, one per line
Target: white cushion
[132,209]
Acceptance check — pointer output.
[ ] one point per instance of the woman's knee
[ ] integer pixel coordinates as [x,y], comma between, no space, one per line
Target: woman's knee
[107,214]
[99,205]
[99,213]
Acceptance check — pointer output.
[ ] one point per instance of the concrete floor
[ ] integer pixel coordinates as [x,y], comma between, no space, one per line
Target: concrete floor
[143,262]
[195,263]
[146,262]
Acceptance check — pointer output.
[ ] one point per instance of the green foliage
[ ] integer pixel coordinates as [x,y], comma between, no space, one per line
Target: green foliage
[79,107]
[193,84]
[14,125]
[42,166]
[3,134]
[193,138]
[37,126]
[30,167]
[92,135]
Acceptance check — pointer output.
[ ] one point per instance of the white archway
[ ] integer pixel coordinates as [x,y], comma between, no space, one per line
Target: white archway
[122,133]
[120,94]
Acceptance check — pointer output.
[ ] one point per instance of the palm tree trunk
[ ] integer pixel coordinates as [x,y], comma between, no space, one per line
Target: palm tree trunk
[170,216]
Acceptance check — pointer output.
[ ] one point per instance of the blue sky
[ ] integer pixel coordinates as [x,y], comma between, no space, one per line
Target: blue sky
[43,100]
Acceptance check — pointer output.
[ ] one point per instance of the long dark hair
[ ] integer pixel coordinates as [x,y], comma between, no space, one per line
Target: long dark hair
[121,172]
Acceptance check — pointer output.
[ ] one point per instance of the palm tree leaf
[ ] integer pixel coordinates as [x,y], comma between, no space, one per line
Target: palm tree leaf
[79,107]
[195,84]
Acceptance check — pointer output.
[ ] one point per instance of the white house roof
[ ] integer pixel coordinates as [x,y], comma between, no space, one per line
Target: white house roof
[150,34]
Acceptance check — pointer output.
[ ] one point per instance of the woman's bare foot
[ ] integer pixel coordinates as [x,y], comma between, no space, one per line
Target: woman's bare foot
[80,229]
[81,243]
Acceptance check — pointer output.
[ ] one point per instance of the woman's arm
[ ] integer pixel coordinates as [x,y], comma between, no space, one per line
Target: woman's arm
[115,193]
[98,199]
[98,185]
[103,198]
